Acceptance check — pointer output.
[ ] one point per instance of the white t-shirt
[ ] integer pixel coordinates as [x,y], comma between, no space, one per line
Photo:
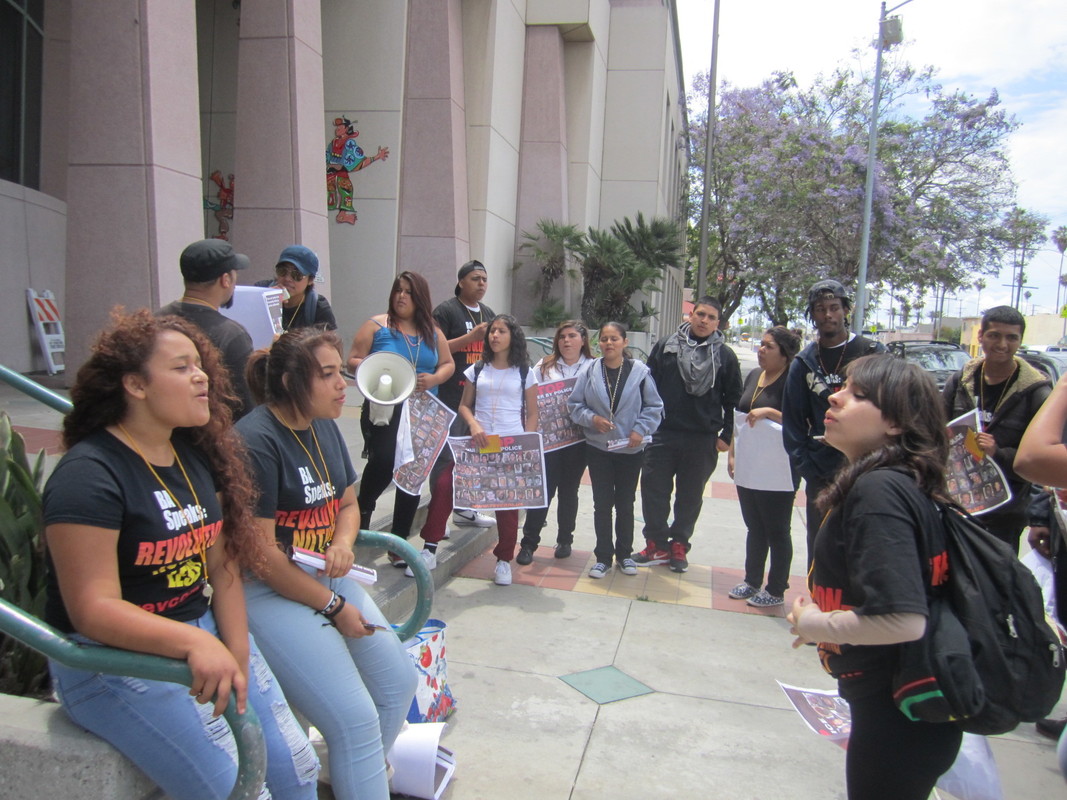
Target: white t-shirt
[560,370]
[498,398]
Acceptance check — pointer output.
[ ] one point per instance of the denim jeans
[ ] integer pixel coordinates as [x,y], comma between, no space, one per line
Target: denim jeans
[357,692]
[614,481]
[175,740]
[563,475]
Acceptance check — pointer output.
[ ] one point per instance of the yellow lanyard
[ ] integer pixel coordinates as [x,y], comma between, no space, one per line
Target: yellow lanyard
[331,511]
[202,550]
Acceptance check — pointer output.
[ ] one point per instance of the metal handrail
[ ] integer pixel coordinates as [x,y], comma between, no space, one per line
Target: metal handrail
[43,394]
[251,751]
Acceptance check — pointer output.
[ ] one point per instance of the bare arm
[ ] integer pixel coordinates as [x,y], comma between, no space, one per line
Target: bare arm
[466,410]
[475,334]
[362,344]
[445,365]
[87,570]
[532,412]
[1042,456]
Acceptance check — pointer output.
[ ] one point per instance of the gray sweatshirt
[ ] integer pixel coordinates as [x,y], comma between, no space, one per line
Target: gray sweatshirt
[639,407]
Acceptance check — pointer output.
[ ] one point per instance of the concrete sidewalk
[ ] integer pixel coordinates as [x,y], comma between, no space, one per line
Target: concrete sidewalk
[676,684]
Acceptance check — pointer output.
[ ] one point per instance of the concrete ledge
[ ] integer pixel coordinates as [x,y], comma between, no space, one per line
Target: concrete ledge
[48,756]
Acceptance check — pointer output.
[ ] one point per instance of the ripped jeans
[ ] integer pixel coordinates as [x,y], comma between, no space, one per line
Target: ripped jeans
[357,692]
[176,742]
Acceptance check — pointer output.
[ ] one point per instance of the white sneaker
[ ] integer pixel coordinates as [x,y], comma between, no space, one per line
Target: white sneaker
[464,516]
[599,570]
[502,574]
[448,533]
[429,558]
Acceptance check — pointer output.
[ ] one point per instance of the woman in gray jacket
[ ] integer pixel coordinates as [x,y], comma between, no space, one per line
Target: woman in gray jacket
[617,406]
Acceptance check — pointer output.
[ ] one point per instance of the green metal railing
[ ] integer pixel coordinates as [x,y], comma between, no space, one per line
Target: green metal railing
[251,752]
[43,394]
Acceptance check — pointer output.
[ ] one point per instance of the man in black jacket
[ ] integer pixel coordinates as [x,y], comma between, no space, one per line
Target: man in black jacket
[813,376]
[699,379]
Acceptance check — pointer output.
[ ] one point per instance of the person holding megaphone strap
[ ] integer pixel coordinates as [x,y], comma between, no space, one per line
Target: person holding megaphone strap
[407,329]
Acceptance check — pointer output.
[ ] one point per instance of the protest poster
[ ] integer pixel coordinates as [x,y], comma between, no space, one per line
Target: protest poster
[508,475]
[973,479]
[420,438]
[557,428]
[824,712]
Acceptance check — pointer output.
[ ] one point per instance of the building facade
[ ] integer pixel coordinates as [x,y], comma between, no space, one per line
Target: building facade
[385,135]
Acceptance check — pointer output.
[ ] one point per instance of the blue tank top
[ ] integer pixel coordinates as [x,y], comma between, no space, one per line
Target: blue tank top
[413,348]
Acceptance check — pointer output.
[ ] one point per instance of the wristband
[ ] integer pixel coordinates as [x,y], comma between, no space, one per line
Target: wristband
[333,609]
[329,605]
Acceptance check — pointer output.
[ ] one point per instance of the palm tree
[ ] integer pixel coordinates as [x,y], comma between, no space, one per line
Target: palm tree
[1059,238]
[552,247]
[980,284]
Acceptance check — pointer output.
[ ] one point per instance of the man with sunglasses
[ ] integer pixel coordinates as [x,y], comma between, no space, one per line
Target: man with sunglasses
[302,307]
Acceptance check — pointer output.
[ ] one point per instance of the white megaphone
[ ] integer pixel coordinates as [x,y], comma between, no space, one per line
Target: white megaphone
[385,379]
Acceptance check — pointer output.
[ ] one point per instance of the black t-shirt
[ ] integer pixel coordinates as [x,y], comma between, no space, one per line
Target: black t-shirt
[769,397]
[296,317]
[104,484]
[987,395]
[229,337]
[866,559]
[299,488]
[455,319]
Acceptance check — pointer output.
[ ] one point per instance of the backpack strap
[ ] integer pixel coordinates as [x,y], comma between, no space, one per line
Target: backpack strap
[311,305]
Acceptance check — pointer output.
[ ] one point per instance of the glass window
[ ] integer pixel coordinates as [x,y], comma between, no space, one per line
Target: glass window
[21,53]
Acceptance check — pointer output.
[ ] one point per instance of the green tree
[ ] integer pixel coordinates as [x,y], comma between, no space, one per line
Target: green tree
[1022,231]
[552,247]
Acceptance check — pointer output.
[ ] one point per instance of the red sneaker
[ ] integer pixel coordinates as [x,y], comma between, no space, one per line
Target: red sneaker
[678,561]
[651,555]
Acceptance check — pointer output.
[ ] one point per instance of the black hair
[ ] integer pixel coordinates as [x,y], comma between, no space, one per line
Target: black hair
[282,374]
[907,397]
[1005,315]
[787,341]
[517,353]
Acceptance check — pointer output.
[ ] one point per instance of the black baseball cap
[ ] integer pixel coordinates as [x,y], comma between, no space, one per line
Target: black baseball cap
[207,259]
[827,288]
[467,269]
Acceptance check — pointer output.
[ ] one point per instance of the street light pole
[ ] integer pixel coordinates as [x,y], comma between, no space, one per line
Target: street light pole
[709,146]
[887,35]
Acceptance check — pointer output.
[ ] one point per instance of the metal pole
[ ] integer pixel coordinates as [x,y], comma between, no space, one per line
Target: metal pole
[709,145]
[868,189]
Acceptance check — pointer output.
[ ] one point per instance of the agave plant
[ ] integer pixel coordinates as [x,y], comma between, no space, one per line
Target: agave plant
[22,570]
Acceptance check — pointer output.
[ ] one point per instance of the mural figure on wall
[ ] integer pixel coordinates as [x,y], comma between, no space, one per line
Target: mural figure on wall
[224,207]
[343,156]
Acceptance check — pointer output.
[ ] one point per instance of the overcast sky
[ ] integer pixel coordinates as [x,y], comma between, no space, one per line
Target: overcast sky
[1018,47]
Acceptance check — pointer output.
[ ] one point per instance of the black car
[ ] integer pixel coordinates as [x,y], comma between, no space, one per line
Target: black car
[1050,364]
[940,359]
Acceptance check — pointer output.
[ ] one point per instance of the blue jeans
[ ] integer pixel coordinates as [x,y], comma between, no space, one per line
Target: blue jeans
[357,692]
[176,742]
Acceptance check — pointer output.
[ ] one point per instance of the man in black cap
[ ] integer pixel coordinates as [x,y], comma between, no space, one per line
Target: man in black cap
[209,270]
[813,376]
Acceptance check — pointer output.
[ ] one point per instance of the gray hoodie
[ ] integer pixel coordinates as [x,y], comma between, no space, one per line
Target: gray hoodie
[639,408]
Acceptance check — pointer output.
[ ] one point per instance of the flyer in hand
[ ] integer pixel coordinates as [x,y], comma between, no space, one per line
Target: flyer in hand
[424,427]
[974,479]
[556,425]
[500,477]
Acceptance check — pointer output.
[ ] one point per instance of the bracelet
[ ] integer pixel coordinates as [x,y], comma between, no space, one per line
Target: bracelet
[333,609]
[326,608]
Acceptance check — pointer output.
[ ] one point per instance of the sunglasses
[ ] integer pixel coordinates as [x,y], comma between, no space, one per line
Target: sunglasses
[289,272]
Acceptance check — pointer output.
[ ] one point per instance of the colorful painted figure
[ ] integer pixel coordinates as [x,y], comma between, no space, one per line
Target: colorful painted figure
[343,156]
[224,207]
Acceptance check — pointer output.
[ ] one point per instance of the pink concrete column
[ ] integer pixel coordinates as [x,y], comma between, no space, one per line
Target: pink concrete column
[133,183]
[280,171]
[542,156]
[434,227]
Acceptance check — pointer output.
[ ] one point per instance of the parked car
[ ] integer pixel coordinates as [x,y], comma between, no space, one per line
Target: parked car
[1051,364]
[940,359]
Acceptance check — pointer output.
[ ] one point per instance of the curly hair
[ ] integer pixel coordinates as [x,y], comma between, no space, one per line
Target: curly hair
[99,400]
[420,299]
[908,398]
[517,352]
[550,360]
[282,374]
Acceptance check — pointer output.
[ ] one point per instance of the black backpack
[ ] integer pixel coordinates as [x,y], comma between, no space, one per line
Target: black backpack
[989,659]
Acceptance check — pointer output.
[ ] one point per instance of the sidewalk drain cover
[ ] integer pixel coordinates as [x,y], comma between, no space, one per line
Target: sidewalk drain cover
[605,684]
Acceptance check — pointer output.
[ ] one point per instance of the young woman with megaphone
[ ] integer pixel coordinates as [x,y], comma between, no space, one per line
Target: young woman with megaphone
[408,331]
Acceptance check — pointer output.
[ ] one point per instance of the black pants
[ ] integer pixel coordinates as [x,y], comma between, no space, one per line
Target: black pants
[614,480]
[564,469]
[813,516]
[767,516]
[682,462]
[381,455]
[889,756]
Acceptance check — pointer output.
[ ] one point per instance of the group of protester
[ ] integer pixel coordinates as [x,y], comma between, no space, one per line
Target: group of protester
[169,527]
